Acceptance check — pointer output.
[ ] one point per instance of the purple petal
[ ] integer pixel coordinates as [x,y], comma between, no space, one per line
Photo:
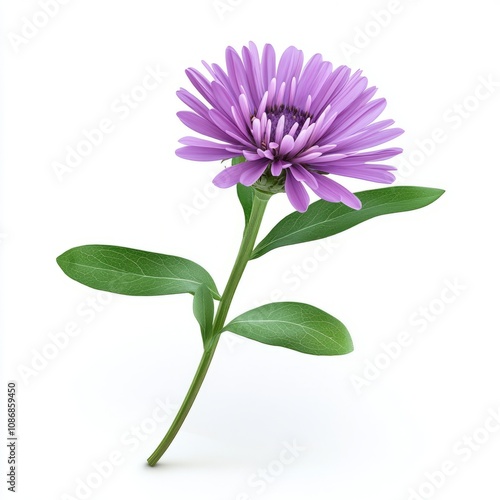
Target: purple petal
[355,108]
[322,125]
[236,72]
[253,172]
[291,91]
[349,94]
[286,144]
[327,159]
[364,117]
[332,191]
[271,92]
[223,79]
[201,84]
[196,141]
[262,105]
[223,97]
[310,75]
[302,174]
[245,109]
[290,65]
[278,166]
[296,193]
[257,131]
[268,155]
[230,175]
[323,95]
[231,151]
[369,139]
[302,140]
[195,104]
[278,135]
[251,155]
[230,128]
[281,94]
[369,172]
[252,65]
[360,158]
[268,64]
[202,126]
[308,156]
[240,120]
[203,154]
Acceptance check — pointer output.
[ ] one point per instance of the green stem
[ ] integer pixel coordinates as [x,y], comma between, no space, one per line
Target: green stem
[247,245]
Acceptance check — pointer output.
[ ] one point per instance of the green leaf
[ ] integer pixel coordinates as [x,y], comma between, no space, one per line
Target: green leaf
[133,272]
[245,193]
[203,309]
[323,218]
[297,326]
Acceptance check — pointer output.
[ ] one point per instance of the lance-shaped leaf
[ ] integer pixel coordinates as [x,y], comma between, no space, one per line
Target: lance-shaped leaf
[134,272]
[297,326]
[323,219]
[203,310]
[245,193]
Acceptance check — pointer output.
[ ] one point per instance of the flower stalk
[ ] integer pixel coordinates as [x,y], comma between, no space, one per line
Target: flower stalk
[260,200]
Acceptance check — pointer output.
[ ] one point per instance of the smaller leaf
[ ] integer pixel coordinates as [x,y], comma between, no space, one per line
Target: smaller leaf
[203,309]
[245,193]
[296,326]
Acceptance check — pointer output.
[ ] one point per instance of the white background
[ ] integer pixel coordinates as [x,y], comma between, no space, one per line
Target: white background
[376,442]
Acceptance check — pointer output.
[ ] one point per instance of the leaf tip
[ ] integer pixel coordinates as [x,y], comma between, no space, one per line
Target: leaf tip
[60,260]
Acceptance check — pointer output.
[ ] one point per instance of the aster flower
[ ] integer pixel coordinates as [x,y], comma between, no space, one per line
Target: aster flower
[293,124]
[287,127]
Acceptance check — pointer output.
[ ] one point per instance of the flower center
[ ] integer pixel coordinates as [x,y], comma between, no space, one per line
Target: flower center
[292,116]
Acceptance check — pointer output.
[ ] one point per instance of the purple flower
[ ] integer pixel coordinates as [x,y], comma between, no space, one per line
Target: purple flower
[293,124]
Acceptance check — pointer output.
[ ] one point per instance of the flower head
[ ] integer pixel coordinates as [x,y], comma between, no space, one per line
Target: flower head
[293,124]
